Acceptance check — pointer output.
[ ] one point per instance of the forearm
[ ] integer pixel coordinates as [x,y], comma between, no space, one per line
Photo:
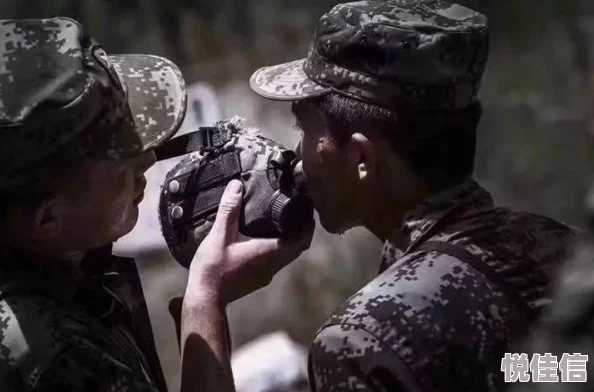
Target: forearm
[224,270]
[204,341]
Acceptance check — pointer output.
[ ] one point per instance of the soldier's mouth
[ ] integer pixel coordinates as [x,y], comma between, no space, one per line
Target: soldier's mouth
[142,187]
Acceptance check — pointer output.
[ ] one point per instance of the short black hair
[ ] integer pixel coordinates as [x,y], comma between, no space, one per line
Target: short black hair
[439,146]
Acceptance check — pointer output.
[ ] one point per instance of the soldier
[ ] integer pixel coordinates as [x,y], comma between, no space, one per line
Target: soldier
[78,131]
[387,103]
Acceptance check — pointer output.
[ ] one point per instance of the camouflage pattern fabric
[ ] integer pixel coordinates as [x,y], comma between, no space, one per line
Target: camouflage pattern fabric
[419,54]
[430,321]
[69,328]
[192,189]
[59,85]
[568,324]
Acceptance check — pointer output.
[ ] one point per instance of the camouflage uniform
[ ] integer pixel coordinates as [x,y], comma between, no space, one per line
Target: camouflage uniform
[436,319]
[460,279]
[568,324]
[66,326]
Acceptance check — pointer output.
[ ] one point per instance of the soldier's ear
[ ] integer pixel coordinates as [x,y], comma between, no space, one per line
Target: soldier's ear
[47,218]
[362,156]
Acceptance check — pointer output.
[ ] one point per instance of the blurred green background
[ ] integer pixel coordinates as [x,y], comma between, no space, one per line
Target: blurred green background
[535,139]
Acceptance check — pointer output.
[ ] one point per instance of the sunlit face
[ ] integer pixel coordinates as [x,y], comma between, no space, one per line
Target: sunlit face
[108,208]
[331,185]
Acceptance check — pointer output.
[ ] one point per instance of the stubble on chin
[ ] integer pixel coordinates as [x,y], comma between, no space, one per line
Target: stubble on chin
[127,224]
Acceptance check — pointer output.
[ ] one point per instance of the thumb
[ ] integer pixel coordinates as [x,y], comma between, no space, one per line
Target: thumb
[226,224]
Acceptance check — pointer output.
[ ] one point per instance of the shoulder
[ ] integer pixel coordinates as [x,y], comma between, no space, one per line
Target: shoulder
[78,368]
[512,229]
[48,345]
[33,330]
[429,309]
[422,286]
[539,232]
[349,358]
[539,223]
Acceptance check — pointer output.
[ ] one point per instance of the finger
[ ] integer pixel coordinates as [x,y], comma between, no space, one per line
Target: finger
[226,224]
[259,260]
[202,231]
[266,254]
[252,249]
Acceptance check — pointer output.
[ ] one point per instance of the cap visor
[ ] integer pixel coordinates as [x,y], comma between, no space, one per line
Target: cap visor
[285,82]
[156,95]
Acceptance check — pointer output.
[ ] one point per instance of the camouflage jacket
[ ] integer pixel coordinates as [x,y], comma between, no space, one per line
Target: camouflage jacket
[567,328]
[67,328]
[440,317]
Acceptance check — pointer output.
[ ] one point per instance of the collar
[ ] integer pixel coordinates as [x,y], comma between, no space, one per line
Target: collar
[429,215]
[61,279]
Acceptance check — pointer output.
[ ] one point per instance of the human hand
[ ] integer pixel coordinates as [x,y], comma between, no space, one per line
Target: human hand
[226,269]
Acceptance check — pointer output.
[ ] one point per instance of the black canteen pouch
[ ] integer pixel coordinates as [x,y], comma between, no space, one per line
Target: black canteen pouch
[275,200]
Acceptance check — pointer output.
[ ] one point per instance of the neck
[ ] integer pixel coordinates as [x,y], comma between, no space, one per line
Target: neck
[17,237]
[60,253]
[49,251]
[74,256]
[385,212]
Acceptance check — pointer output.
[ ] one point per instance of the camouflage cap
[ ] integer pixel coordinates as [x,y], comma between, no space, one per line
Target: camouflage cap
[423,54]
[58,85]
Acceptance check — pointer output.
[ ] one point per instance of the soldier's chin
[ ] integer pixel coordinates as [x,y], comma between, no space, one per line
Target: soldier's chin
[129,224]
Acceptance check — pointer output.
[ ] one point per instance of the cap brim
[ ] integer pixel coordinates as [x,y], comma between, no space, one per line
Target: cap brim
[286,82]
[156,95]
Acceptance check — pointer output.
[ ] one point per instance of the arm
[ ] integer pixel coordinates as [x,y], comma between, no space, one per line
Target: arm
[205,346]
[348,358]
[222,271]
